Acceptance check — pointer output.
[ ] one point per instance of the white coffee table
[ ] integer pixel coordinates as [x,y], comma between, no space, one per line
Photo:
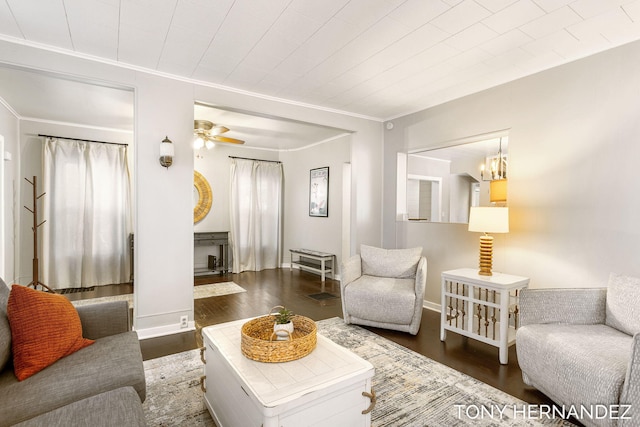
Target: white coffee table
[324,388]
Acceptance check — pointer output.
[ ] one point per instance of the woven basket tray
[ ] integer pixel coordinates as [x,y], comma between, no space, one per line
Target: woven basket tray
[259,343]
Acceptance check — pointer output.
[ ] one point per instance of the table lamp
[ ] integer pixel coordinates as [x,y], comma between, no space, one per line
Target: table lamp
[488,220]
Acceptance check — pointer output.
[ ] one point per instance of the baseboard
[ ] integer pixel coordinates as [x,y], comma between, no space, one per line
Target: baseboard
[160,331]
[432,306]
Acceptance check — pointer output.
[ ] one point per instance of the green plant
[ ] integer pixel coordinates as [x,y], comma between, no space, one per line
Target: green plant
[283,316]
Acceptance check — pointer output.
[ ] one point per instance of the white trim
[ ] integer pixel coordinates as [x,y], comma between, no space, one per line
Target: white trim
[183,79]
[313,144]
[431,306]
[160,331]
[79,125]
[455,142]
[9,107]
[424,177]
[285,150]
[2,208]
[346,212]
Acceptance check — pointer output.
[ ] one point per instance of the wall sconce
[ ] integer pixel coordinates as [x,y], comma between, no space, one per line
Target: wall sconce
[488,220]
[166,152]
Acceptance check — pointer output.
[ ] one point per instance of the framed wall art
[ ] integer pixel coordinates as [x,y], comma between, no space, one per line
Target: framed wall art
[319,192]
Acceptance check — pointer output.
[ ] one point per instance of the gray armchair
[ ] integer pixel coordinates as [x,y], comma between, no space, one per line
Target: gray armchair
[384,288]
[581,347]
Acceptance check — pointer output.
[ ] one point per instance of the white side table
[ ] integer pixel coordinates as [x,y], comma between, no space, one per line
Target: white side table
[484,308]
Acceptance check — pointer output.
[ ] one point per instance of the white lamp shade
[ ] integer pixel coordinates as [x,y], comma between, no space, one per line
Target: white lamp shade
[198,143]
[489,219]
[166,149]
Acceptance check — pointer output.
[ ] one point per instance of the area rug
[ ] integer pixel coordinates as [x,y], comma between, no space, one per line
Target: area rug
[200,291]
[174,397]
[412,390]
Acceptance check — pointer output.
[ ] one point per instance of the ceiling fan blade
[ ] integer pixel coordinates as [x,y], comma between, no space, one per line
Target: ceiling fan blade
[227,139]
[219,129]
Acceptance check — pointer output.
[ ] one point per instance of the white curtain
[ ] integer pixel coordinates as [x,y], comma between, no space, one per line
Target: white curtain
[87,207]
[255,211]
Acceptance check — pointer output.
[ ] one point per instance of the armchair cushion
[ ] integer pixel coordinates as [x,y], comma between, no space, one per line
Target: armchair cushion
[381,299]
[623,303]
[400,263]
[575,306]
[589,369]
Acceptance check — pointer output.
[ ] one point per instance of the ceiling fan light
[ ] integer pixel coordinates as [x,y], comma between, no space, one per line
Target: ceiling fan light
[209,144]
[198,143]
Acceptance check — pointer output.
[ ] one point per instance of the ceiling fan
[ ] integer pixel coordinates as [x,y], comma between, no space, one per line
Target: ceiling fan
[207,134]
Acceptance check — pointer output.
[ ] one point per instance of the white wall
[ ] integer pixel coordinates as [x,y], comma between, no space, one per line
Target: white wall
[164,216]
[300,229]
[9,128]
[573,152]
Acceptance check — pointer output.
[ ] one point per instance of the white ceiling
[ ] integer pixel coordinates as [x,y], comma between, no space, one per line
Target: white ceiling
[267,132]
[374,58]
[38,96]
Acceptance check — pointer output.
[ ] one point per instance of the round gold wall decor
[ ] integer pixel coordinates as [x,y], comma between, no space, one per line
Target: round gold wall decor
[203,204]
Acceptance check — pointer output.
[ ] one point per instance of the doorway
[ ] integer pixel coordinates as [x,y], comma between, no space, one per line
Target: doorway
[55,104]
[300,147]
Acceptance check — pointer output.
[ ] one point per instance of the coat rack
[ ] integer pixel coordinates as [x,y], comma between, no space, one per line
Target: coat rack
[36,280]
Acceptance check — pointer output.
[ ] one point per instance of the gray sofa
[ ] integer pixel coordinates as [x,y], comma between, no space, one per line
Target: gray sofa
[581,347]
[384,288]
[101,385]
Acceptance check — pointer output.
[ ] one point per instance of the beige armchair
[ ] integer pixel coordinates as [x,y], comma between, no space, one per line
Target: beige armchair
[384,288]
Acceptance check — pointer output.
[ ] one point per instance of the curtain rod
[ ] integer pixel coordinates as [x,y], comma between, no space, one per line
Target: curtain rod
[84,140]
[255,160]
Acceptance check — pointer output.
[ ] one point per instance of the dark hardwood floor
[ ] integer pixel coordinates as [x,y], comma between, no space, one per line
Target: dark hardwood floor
[269,288]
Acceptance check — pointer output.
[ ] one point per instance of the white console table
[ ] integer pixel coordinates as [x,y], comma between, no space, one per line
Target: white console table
[326,265]
[484,308]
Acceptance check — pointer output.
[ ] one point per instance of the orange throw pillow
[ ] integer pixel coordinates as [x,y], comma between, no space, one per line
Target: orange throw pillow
[44,328]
